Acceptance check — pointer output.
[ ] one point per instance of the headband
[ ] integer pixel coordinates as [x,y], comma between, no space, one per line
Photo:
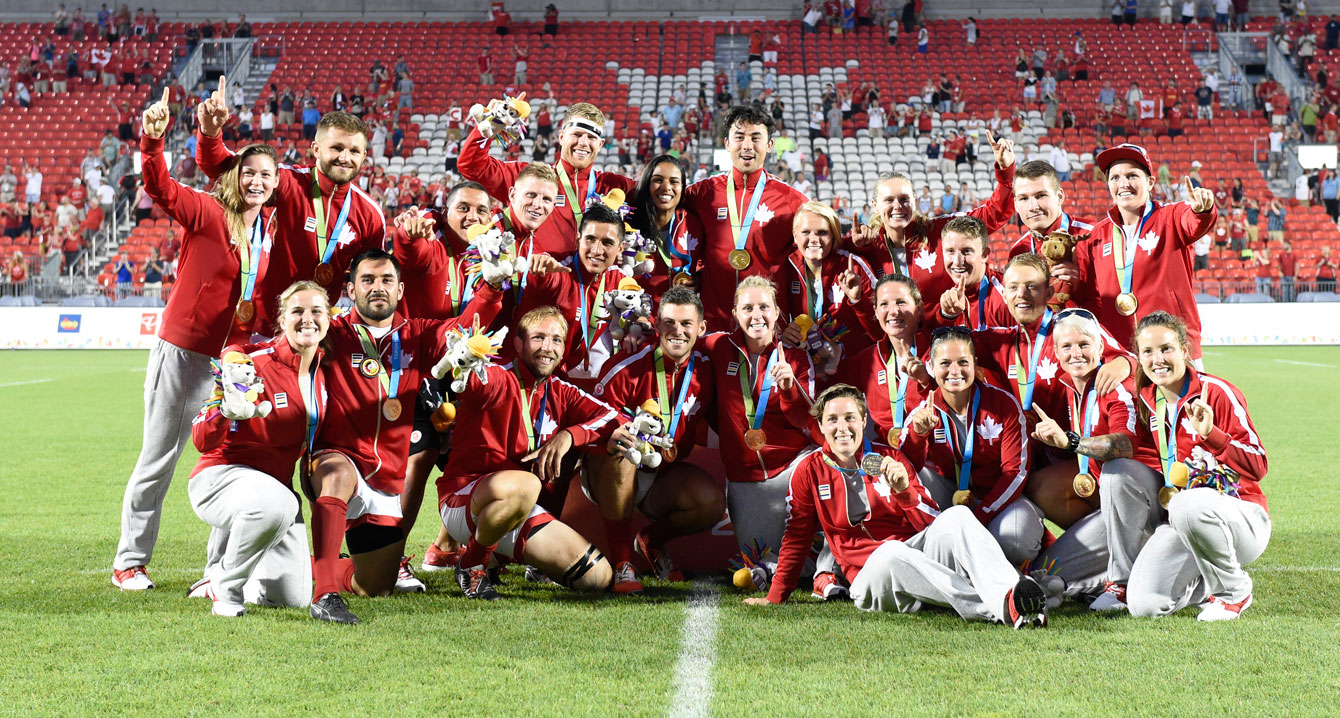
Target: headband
[582,123]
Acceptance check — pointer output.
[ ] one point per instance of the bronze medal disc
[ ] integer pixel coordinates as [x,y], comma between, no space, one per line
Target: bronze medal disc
[1084,485]
[324,273]
[739,259]
[755,439]
[246,311]
[391,409]
[893,436]
[670,453]
[1166,495]
[1127,304]
[683,279]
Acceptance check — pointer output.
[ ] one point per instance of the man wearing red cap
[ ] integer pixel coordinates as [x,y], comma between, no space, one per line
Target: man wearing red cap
[1139,258]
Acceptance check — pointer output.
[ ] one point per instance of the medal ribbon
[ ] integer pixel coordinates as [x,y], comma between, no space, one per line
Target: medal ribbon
[326,243]
[669,246]
[1122,255]
[390,384]
[1084,412]
[814,293]
[250,258]
[964,466]
[983,291]
[535,425]
[897,381]
[1026,386]
[746,387]
[670,415]
[740,231]
[893,257]
[589,323]
[578,208]
[1165,430]
[312,401]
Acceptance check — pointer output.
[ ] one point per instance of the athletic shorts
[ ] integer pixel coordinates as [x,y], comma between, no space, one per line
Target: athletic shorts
[643,480]
[460,523]
[424,436]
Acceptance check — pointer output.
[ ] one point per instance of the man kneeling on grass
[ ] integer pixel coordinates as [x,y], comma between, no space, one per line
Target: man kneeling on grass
[884,531]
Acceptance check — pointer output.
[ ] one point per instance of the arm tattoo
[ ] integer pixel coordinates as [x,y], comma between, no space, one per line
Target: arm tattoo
[1107,447]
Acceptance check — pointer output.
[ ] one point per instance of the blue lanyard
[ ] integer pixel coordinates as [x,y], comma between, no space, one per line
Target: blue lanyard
[983,291]
[395,365]
[333,239]
[1065,223]
[253,265]
[867,450]
[670,240]
[743,237]
[894,373]
[1089,402]
[969,441]
[1126,261]
[756,421]
[683,392]
[313,402]
[1033,355]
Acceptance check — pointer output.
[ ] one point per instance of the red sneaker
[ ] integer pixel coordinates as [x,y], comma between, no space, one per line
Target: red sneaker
[435,559]
[625,580]
[1113,598]
[135,578]
[658,559]
[1216,609]
[828,588]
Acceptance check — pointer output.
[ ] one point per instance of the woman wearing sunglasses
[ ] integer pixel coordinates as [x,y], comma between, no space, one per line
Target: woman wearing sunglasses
[967,437]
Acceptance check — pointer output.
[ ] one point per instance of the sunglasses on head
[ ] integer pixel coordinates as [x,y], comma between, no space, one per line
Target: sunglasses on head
[1076,312]
[954,331]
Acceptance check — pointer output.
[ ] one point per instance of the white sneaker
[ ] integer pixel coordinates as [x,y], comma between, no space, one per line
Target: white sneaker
[1218,610]
[135,578]
[406,581]
[199,589]
[226,609]
[1052,585]
[1113,598]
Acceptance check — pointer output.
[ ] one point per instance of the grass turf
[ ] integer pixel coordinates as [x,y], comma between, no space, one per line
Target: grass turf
[72,644]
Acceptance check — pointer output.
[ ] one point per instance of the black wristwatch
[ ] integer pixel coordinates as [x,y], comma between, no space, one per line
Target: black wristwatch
[1073,438]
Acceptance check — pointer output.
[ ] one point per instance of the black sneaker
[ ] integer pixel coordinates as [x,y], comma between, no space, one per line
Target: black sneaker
[330,607]
[475,583]
[1026,605]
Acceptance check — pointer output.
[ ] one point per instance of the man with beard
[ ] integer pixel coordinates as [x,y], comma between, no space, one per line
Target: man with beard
[524,421]
[579,141]
[325,220]
[679,497]
[373,370]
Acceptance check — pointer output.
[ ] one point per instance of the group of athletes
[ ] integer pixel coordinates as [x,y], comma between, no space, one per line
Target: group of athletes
[895,413]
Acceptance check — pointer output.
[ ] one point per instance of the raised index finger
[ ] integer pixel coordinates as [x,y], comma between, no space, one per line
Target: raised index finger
[167,93]
[223,85]
[1189,186]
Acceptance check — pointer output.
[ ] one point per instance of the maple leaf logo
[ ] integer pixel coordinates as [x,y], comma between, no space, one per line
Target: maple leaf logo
[1047,370]
[267,244]
[406,359]
[548,427]
[1149,242]
[347,236]
[763,214]
[989,429]
[881,488]
[838,294]
[1188,427]
[925,260]
[690,405]
[689,244]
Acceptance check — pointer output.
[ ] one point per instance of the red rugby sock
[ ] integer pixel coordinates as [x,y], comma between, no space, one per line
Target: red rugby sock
[328,519]
[476,554]
[618,536]
[661,531]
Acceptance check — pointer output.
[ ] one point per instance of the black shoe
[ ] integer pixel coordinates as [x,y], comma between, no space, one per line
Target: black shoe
[1026,604]
[330,607]
[475,583]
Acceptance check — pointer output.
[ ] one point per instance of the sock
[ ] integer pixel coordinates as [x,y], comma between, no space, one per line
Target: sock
[344,574]
[660,531]
[476,554]
[617,535]
[328,519]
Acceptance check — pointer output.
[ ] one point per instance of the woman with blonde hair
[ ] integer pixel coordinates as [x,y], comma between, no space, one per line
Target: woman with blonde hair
[224,253]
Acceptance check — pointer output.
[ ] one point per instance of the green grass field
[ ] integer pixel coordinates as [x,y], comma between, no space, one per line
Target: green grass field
[71,644]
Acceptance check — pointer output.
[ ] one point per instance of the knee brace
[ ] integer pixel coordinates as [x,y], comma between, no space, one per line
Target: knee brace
[579,569]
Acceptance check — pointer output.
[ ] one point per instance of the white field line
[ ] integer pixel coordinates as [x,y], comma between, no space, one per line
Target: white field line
[1306,363]
[1295,569]
[697,655]
[25,383]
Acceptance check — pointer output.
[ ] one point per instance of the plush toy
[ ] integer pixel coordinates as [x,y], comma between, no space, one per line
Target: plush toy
[504,120]
[825,352]
[468,352]
[635,259]
[495,252]
[1059,247]
[236,388]
[628,309]
[648,428]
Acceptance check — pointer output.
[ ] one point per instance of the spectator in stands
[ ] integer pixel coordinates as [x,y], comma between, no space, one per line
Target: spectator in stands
[405,87]
[551,20]
[1330,194]
[948,202]
[1204,100]
[243,28]
[106,197]
[33,188]
[970,31]
[1275,221]
[1107,97]
[1241,15]
[810,16]
[1060,160]
[125,275]
[1132,12]
[1133,99]
[397,138]
[923,40]
[67,213]
[519,54]
[1332,33]
[109,147]
[1288,264]
[802,184]
[835,121]
[1307,48]
[925,202]
[485,62]
[1188,11]
[18,270]
[875,121]
[21,94]
[1118,10]
[1262,272]
[502,20]
[743,79]
[1276,151]
[8,182]
[1221,22]
[71,247]
[310,117]
[1201,250]
[154,269]
[1325,271]
[1165,12]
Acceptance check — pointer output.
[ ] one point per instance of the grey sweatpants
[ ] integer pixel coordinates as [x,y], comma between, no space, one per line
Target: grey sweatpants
[954,562]
[265,559]
[1199,553]
[758,510]
[176,383]
[1017,527]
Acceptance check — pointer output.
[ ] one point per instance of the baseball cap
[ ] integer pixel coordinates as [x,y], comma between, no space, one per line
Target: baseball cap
[1128,152]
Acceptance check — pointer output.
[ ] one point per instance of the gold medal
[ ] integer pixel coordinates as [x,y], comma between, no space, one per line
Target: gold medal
[893,437]
[962,497]
[755,439]
[1127,304]
[324,273]
[682,279]
[391,409]
[1084,485]
[670,453]
[739,259]
[1166,495]
[246,311]
[370,367]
